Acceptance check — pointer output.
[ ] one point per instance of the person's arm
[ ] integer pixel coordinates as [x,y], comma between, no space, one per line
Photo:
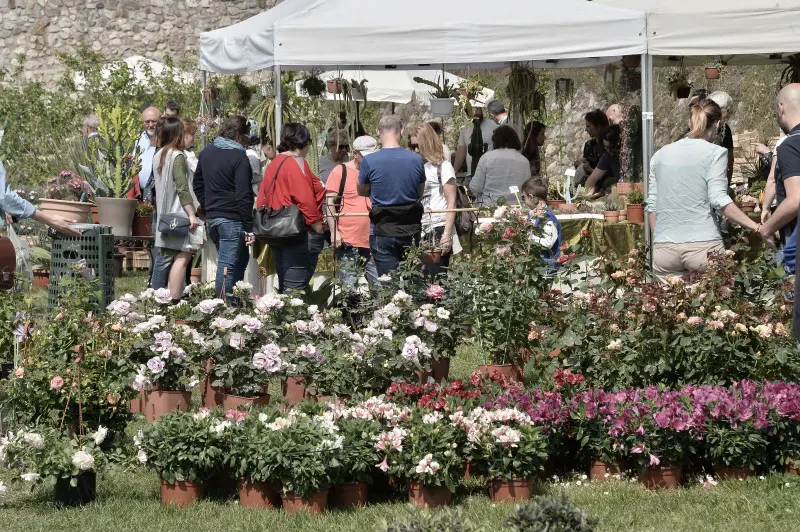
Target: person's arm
[301,191]
[769,192]
[650,202]
[421,178]
[332,191]
[789,156]
[461,158]
[180,176]
[243,192]
[595,177]
[363,186]
[549,236]
[730,165]
[717,186]
[478,181]
[450,190]
[197,183]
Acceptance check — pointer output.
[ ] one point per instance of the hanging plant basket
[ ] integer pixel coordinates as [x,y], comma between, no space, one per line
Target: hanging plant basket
[712,72]
[442,107]
[564,87]
[334,86]
[683,91]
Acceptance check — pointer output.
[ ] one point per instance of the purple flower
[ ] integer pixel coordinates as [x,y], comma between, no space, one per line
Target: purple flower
[156,365]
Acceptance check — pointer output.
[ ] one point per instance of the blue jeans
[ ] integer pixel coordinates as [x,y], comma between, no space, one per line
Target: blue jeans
[159,276]
[389,251]
[296,263]
[351,261]
[228,236]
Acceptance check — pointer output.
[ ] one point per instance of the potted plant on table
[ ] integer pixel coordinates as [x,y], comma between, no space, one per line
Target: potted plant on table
[68,195]
[143,219]
[636,207]
[41,267]
[40,453]
[444,95]
[186,449]
[611,213]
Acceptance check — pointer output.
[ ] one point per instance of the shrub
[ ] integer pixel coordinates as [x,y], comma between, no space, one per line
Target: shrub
[550,514]
[448,520]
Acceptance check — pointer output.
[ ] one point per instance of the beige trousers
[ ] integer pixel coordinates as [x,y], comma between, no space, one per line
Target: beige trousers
[677,259]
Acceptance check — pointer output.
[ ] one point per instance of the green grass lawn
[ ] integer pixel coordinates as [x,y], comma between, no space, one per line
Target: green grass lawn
[130,500]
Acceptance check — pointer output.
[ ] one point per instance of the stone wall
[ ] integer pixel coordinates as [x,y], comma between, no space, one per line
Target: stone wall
[116,28]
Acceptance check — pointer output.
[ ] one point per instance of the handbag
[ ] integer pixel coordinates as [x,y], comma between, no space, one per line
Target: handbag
[171,223]
[282,226]
[465,220]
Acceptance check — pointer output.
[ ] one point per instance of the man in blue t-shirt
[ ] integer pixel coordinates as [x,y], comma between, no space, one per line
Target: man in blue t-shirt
[394,179]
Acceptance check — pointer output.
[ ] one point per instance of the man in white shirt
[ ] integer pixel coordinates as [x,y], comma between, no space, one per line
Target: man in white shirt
[497,111]
[144,150]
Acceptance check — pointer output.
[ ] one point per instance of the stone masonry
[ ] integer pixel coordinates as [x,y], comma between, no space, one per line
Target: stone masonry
[116,28]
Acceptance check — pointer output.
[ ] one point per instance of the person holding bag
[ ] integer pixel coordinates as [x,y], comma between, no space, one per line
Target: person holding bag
[289,216]
[179,233]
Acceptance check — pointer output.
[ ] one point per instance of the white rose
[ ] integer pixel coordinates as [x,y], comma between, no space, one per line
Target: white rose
[83,460]
[141,456]
[34,440]
[3,489]
[30,477]
[100,435]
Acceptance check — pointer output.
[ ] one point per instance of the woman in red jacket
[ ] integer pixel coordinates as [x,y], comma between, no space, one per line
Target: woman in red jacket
[295,184]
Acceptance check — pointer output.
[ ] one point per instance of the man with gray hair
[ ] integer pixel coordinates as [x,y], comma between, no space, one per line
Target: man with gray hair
[497,111]
[725,137]
[394,179]
[91,137]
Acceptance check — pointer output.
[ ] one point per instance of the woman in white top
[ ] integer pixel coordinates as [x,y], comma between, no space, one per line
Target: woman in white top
[688,180]
[440,195]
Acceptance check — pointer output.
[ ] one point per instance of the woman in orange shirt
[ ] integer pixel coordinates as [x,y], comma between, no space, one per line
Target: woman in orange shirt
[288,180]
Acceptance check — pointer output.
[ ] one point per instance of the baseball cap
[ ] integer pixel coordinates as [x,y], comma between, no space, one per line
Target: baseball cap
[365,145]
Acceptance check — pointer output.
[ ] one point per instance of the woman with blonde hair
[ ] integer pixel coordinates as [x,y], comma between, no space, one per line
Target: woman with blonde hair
[688,180]
[440,195]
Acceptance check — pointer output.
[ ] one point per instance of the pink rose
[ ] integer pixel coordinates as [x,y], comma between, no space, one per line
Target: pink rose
[19,372]
[434,291]
[56,383]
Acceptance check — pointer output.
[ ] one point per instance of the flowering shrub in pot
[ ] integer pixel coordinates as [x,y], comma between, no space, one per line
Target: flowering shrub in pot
[357,457]
[40,453]
[252,463]
[185,449]
[423,451]
[599,419]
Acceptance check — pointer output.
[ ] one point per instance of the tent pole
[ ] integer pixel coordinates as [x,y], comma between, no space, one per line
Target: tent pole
[647,135]
[203,82]
[278,104]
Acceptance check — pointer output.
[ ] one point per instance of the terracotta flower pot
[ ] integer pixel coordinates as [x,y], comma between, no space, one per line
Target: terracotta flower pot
[611,217]
[118,213]
[142,226]
[556,203]
[349,495]
[69,210]
[293,390]
[181,493]
[598,469]
[233,402]
[623,215]
[440,369]
[196,275]
[41,278]
[636,213]
[508,370]
[733,473]
[82,493]
[469,470]
[661,477]
[258,495]
[431,256]
[334,86]
[425,497]
[160,402]
[313,504]
[95,215]
[712,72]
[568,207]
[510,490]
[137,404]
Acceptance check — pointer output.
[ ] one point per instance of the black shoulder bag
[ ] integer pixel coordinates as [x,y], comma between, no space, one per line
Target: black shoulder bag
[340,196]
[465,220]
[279,227]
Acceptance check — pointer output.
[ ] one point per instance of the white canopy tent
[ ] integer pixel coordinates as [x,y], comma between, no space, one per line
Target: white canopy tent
[395,86]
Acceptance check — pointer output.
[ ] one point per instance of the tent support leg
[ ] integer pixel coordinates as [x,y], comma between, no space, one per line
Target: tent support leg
[278,104]
[647,137]
[203,83]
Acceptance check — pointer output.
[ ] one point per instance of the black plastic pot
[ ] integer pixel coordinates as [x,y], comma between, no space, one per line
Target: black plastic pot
[683,92]
[5,370]
[83,493]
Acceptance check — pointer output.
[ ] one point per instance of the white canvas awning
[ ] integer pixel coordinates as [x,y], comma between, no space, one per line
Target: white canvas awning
[425,34]
[395,86]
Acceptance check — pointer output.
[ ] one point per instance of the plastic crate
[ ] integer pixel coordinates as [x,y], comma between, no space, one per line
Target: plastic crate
[96,247]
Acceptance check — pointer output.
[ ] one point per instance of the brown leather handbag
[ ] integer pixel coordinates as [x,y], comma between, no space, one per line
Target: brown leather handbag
[8,263]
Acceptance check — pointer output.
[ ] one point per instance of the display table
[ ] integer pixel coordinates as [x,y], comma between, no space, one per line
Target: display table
[618,238]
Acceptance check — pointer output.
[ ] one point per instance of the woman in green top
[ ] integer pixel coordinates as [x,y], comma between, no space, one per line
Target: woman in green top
[174,198]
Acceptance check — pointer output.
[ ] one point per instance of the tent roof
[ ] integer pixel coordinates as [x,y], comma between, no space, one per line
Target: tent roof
[334,33]
[719,27]
[246,46]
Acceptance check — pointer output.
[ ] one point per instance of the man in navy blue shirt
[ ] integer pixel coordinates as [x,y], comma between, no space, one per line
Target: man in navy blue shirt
[394,179]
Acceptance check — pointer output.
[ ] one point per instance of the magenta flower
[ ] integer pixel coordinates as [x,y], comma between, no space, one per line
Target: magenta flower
[654,461]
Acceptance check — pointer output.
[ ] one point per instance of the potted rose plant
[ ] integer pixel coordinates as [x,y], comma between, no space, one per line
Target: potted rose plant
[186,449]
[41,453]
[357,457]
[252,464]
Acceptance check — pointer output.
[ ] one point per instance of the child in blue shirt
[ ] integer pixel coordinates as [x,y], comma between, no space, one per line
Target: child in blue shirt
[534,192]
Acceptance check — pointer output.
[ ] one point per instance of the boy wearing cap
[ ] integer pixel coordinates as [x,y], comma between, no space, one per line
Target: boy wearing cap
[350,234]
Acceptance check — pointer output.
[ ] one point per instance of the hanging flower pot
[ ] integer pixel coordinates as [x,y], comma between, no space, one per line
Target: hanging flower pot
[564,86]
[431,256]
[426,497]
[516,490]
[181,493]
[349,495]
[83,492]
[161,402]
[513,372]
[334,86]
[233,402]
[442,107]
[635,213]
[683,91]
[632,61]
[313,504]
[712,72]
[258,495]
[599,470]
[733,473]
[41,278]
[293,390]
[661,477]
